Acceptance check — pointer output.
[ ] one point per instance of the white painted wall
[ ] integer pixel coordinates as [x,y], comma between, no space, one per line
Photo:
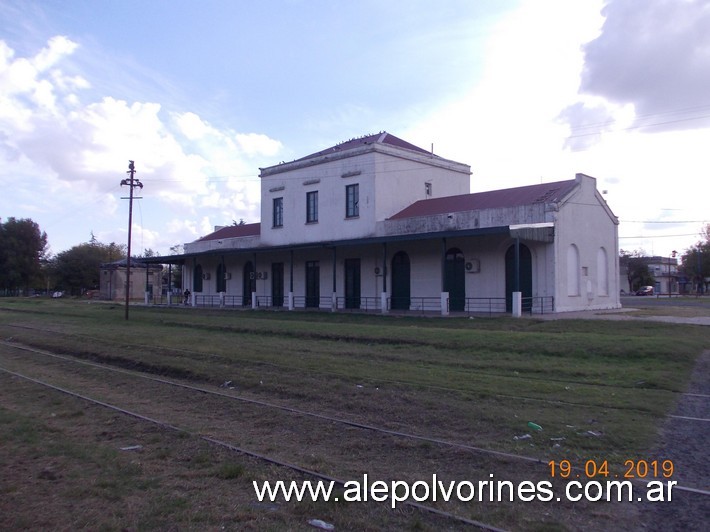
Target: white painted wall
[584,220]
[388,183]
[400,182]
[389,180]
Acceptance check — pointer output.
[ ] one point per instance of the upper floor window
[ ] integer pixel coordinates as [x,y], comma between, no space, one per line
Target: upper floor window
[352,201]
[312,207]
[278,212]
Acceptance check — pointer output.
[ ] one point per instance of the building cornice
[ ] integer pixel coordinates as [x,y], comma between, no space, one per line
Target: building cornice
[393,151]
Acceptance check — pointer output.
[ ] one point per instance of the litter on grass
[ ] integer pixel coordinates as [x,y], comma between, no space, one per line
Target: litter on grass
[318,523]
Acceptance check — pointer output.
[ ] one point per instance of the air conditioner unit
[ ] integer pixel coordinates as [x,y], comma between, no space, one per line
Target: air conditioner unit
[473,266]
[206,276]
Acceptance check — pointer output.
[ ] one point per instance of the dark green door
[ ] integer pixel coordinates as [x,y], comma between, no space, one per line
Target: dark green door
[221,281]
[277,284]
[455,279]
[312,284]
[248,284]
[400,281]
[197,279]
[525,277]
[352,283]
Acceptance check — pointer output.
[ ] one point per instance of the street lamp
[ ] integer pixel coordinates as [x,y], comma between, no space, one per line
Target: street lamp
[670,279]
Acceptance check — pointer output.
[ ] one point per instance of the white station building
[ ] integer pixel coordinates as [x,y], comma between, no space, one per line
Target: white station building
[379,224]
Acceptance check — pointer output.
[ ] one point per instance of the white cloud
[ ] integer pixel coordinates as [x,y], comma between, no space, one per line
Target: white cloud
[192,126]
[57,48]
[655,58]
[77,144]
[513,125]
[254,144]
[506,126]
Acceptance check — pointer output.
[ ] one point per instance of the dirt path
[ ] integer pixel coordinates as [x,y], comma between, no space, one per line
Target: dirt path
[686,443]
[683,441]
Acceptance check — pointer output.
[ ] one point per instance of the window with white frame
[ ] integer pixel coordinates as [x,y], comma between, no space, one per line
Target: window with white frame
[312,207]
[278,212]
[352,201]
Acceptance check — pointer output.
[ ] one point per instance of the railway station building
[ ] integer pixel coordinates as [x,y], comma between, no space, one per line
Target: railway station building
[378,224]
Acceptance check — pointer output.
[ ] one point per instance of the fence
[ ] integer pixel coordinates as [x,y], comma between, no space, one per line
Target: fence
[538,305]
[411,305]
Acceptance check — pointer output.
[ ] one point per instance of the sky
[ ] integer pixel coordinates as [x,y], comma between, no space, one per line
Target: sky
[202,94]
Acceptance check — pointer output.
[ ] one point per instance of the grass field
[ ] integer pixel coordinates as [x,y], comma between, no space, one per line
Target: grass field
[598,389]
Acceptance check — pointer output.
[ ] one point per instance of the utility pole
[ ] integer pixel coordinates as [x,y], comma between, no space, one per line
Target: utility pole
[132,183]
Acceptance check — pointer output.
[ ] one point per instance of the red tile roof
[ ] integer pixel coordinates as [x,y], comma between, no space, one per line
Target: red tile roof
[378,138]
[233,231]
[509,197]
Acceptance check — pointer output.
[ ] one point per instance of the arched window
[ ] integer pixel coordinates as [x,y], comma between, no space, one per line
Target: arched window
[602,272]
[572,270]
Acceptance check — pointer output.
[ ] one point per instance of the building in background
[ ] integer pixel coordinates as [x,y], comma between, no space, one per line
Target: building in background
[377,223]
[112,284]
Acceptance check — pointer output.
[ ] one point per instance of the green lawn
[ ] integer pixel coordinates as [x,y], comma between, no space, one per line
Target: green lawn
[599,390]
[494,372]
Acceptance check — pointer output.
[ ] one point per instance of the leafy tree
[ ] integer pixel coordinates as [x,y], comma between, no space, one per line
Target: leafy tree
[695,262]
[637,271]
[23,248]
[77,269]
[177,268]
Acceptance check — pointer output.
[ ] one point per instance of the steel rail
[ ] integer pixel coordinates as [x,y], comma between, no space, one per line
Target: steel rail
[242,450]
[323,417]
[461,446]
[477,373]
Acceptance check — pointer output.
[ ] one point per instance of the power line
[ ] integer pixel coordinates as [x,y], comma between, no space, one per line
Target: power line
[663,221]
[132,183]
[608,123]
[659,236]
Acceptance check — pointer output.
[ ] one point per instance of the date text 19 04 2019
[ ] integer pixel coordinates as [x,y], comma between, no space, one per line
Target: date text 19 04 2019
[600,469]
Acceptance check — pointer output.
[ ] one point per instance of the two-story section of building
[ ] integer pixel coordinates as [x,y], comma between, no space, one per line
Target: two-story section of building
[377,223]
[342,192]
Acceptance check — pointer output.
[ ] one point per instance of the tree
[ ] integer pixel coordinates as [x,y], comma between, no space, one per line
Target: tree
[636,265]
[23,248]
[77,269]
[177,249]
[695,262]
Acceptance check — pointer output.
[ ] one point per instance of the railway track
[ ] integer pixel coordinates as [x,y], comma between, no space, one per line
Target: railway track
[259,456]
[327,418]
[71,366]
[184,425]
[451,389]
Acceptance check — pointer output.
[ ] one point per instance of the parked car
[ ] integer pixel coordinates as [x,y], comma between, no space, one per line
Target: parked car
[645,291]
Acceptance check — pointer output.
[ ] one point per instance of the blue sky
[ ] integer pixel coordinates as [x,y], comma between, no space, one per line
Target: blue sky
[202,94]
